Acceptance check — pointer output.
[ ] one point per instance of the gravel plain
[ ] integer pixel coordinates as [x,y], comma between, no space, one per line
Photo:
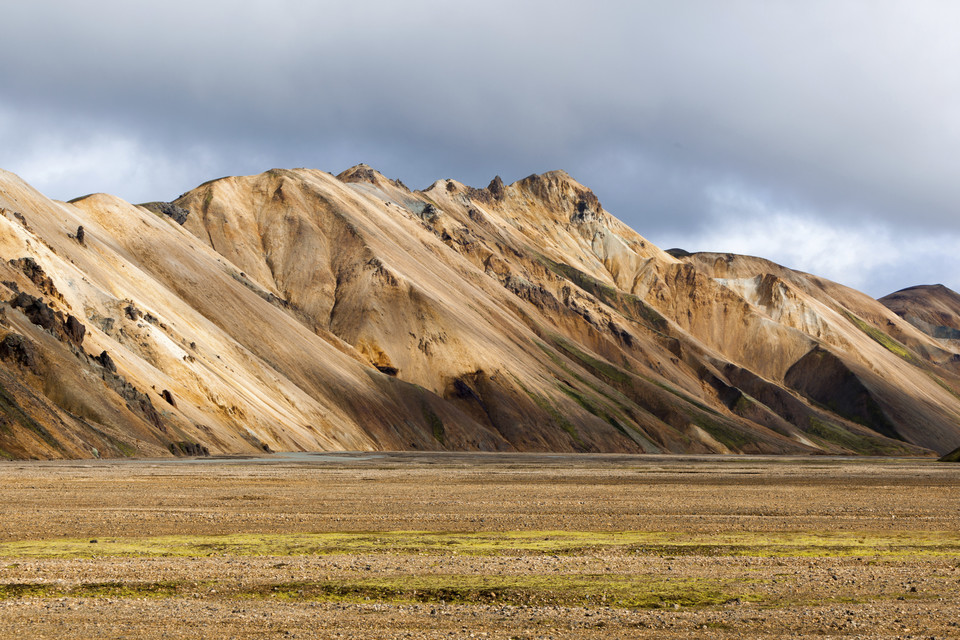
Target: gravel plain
[480,545]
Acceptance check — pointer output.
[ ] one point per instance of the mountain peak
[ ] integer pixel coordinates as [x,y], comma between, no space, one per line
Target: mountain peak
[361,173]
[558,191]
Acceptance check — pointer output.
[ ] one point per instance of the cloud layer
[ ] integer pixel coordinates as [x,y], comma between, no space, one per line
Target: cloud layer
[839,117]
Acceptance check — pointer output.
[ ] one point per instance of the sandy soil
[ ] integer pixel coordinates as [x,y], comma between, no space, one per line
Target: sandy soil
[724,547]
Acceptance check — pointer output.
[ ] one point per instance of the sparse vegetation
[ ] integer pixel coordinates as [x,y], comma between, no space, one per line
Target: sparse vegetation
[835,434]
[626,303]
[10,408]
[548,590]
[727,436]
[882,339]
[592,364]
[607,545]
[554,413]
[436,424]
[683,396]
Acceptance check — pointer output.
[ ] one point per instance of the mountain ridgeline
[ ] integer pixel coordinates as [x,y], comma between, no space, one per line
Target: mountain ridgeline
[298,310]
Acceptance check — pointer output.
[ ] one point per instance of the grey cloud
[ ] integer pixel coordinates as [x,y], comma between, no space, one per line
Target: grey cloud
[846,110]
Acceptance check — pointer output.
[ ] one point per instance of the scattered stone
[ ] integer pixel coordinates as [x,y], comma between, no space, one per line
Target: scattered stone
[132,312]
[168,396]
[80,234]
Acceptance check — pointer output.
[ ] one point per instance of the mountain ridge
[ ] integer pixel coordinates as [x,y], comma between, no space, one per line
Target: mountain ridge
[296,309]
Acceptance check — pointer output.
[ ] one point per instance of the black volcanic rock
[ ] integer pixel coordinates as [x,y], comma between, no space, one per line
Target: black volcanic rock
[37,311]
[177,213]
[496,188]
[106,362]
[18,349]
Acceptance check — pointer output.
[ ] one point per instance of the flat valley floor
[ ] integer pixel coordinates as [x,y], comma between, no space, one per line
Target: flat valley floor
[480,545]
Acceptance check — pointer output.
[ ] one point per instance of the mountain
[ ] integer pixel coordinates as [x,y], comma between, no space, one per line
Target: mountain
[934,309]
[298,310]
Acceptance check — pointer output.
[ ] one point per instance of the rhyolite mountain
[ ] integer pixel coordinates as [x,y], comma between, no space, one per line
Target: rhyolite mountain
[298,310]
[934,309]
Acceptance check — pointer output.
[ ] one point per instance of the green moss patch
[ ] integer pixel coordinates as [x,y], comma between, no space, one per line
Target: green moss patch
[553,412]
[542,590]
[91,590]
[626,303]
[829,432]
[436,424]
[883,339]
[596,366]
[512,543]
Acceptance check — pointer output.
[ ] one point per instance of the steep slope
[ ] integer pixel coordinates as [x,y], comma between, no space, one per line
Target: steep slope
[300,310]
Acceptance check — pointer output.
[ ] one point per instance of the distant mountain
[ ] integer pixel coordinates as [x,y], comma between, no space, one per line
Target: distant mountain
[297,310]
[934,309]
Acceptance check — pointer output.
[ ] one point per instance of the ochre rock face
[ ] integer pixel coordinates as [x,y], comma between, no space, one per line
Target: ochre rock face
[297,310]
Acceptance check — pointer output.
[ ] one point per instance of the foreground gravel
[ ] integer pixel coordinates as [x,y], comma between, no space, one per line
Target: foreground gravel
[910,592]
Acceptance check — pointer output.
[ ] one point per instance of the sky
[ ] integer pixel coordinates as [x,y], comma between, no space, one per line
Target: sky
[823,135]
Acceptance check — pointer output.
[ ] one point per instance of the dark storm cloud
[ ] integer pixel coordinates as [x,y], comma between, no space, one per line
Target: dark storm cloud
[828,113]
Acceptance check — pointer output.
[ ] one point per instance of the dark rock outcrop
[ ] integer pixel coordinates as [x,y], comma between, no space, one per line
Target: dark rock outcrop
[168,397]
[74,330]
[177,213]
[18,349]
[37,311]
[496,188]
[65,327]
[35,273]
[106,362]
[186,448]
[360,173]
[132,312]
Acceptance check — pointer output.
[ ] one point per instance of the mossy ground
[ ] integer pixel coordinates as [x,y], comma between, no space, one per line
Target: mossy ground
[548,583]
[552,590]
[514,543]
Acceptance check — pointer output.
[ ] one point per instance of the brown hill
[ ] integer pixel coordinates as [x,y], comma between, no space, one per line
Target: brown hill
[934,309]
[301,310]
